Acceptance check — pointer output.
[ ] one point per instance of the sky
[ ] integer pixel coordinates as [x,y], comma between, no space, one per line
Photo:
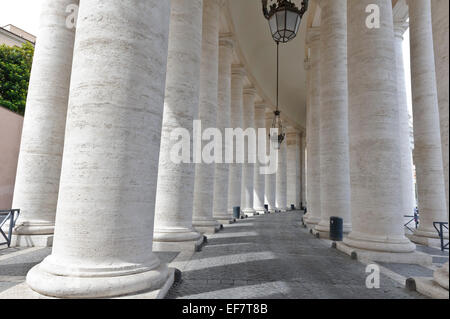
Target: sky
[25,15]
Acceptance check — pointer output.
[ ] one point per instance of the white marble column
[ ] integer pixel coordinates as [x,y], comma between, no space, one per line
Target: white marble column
[303,168]
[377,221]
[293,167]
[221,174]
[334,156]
[269,179]
[236,121]
[407,184]
[427,138]
[250,148]
[104,220]
[203,220]
[313,215]
[41,149]
[281,182]
[440,19]
[175,188]
[258,178]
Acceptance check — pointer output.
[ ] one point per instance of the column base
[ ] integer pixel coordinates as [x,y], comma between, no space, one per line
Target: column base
[178,241]
[207,226]
[427,287]
[260,211]
[397,244]
[48,280]
[441,276]
[426,238]
[32,240]
[311,221]
[364,255]
[322,229]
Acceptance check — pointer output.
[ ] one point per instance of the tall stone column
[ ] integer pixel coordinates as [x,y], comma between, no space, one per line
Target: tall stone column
[293,167]
[250,148]
[236,121]
[104,221]
[270,179]
[440,18]
[377,221]
[334,156]
[407,184]
[427,138]
[174,193]
[41,149]
[221,174]
[203,220]
[258,178]
[281,183]
[313,215]
[303,168]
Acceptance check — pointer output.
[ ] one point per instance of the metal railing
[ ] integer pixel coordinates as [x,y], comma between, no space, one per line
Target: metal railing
[414,218]
[440,226]
[11,216]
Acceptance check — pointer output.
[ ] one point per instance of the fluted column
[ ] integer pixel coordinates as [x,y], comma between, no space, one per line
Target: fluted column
[258,178]
[377,221]
[221,174]
[250,148]
[427,138]
[270,179]
[203,220]
[41,149]
[313,215]
[104,222]
[334,157]
[407,184]
[440,18]
[236,121]
[281,183]
[174,193]
[293,167]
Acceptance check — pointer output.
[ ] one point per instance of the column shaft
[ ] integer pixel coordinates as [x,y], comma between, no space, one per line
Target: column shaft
[174,194]
[259,179]
[104,222]
[303,168]
[293,167]
[250,149]
[41,149]
[270,179]
[221,174]
[334,157]
[377,221]
[313,215]
[427,138]
[209,74]
[281,183]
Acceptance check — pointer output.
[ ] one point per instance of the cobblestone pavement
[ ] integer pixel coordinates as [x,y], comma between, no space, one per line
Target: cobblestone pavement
[274,257]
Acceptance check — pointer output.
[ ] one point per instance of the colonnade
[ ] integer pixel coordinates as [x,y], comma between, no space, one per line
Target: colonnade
[105,182]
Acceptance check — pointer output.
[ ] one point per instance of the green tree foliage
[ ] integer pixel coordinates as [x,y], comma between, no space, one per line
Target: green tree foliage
[15,68]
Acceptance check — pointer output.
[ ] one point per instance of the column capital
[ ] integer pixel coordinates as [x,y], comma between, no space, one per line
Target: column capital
[249,90]
[400,28]
[261,106]
[307,64]
[226,40]
[238,70]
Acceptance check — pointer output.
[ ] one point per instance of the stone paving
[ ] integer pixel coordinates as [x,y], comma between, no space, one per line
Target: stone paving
[273,256]
[270,256]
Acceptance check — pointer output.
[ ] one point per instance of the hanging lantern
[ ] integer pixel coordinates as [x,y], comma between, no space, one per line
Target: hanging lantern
[277,134]
[284,19]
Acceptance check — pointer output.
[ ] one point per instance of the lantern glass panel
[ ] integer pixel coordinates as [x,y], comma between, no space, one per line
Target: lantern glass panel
[281,20]
[291,20]
[273,24]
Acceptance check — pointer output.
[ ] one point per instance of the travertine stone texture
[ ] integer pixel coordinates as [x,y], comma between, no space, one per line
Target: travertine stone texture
[104,221]
[440,19]
[207,113]
[281,182]
[334,156]
[258,178]
[406,174]
[250,148]
[313,127]
[174,194]
[221,174]
[236,121]
[377,220]
[427,136]
[293,169]
[270,179]
[41,149]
